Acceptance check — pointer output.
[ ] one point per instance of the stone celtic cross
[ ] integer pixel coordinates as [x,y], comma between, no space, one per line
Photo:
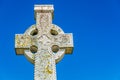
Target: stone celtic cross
[44,44]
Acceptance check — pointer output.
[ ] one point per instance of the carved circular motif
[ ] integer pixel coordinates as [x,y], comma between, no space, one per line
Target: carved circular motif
[45,40]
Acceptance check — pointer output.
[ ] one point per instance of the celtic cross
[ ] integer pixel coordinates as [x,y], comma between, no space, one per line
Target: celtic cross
[44,44]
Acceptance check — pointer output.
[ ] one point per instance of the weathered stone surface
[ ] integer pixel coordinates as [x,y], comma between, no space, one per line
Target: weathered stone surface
[44,44]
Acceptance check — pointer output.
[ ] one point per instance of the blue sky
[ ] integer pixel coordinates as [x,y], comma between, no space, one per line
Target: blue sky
[95,25]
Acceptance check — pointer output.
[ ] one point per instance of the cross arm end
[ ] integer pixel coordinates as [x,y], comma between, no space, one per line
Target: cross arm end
[69,44]
[65,41]
[22,43]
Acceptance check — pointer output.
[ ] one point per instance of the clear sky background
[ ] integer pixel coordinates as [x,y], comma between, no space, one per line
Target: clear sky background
[96,28]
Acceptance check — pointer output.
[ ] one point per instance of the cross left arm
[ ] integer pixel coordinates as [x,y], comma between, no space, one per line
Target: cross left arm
[22,42]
